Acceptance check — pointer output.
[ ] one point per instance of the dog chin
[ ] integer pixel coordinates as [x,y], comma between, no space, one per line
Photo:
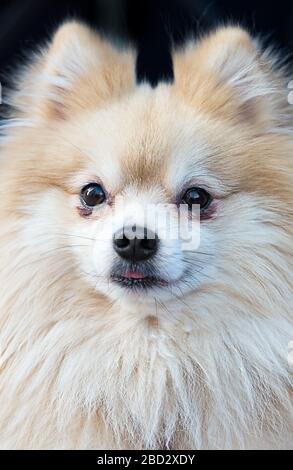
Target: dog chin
[134,298]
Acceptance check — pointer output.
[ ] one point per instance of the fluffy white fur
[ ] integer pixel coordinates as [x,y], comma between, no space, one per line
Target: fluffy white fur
[201,365]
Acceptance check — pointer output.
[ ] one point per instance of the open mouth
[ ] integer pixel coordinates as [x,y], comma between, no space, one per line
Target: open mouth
[138,280]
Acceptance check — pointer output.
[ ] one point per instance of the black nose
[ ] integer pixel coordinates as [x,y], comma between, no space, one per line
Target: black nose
[135,243]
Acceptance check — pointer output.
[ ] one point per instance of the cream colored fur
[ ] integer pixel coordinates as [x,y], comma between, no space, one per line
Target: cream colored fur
[202,365]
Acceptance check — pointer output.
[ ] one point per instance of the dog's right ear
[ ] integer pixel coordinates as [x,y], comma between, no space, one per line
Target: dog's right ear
[79,70]
[229,75]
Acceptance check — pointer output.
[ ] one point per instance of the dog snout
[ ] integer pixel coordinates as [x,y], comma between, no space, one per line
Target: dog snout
[135,243]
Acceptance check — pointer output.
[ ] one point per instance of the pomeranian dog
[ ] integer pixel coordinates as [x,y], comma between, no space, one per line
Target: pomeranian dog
[111,340]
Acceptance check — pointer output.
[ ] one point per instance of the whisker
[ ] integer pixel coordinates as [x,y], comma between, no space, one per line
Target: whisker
[58,248]
[198,252]
[181,300]
[160,302]
[75,236]
[46,255]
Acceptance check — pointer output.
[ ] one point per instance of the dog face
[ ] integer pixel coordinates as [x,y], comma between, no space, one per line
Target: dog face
[109,166]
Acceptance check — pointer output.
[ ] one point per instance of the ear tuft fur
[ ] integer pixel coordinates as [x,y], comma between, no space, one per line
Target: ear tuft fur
[228,74]
[78,70]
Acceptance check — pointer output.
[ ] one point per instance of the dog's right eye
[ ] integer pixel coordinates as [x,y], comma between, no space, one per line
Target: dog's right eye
[92,195]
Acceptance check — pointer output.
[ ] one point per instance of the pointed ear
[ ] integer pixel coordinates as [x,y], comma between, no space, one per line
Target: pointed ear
[78,70]
[228,75]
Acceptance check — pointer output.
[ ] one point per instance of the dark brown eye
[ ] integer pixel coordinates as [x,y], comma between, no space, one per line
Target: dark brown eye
[92,195]
[197,196]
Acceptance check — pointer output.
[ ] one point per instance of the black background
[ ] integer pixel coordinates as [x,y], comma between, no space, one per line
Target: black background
[151,24]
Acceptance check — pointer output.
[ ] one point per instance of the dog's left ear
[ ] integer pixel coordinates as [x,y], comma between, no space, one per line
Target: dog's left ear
[227,74]
[79,70]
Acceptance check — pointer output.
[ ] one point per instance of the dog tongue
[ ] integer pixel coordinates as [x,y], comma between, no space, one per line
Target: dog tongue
[134,275]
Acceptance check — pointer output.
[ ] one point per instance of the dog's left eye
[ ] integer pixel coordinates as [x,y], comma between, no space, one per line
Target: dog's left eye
[197,196]
[93,194]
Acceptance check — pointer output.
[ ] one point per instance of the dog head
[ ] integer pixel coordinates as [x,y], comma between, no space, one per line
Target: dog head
[109,171]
